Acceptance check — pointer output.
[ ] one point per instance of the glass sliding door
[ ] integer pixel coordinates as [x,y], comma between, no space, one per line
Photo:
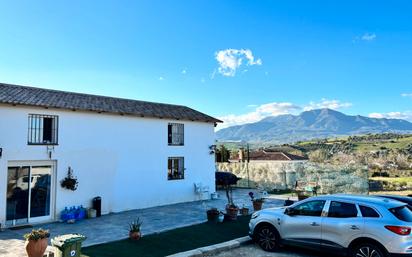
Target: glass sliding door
[18,195]
[28,194]
[40,191]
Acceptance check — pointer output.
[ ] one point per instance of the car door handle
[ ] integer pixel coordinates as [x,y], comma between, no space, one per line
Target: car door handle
[314,224]
[353,227]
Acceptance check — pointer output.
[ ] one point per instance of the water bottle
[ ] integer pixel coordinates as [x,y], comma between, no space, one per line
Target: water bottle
[63,215]
[82,212]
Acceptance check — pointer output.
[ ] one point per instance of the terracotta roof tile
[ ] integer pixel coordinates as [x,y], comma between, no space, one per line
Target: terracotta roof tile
[31,96]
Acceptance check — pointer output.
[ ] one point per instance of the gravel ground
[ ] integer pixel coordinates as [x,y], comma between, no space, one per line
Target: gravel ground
[255,251]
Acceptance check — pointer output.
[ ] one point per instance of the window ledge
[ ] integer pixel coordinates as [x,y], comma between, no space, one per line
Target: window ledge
[40,144]
[172,179]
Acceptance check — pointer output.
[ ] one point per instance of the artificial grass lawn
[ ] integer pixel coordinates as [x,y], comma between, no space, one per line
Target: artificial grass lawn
[173,241]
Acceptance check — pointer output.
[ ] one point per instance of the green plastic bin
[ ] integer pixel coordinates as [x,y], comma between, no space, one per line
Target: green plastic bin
[68,245]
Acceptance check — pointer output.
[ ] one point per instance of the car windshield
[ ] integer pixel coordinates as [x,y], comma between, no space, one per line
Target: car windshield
[402,213]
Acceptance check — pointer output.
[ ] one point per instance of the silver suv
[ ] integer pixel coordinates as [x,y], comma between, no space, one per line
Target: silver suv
[358,226]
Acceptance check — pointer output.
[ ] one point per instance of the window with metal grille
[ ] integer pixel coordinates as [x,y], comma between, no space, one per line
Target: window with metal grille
[175,166]
[43,129]
[176,134]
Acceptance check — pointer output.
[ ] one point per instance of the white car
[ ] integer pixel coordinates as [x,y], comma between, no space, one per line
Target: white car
[358,226]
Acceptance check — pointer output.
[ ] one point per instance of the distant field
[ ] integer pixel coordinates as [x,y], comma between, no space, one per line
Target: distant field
[390,144]
[406,192]
[363,146]
[393,180]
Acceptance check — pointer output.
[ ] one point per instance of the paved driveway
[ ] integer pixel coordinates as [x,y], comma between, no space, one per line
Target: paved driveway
[154,219]
[255,251]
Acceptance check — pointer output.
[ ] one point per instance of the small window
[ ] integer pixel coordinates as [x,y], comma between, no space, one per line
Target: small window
[312,208]
[402,213]
[43,129]
[175,132]
[368,212]
[342,210]
[176,170]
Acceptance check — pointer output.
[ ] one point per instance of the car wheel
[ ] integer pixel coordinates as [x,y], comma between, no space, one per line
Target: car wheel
[368,250]
[267,238]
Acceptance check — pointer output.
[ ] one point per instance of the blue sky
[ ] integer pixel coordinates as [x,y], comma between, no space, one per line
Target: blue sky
[238,60]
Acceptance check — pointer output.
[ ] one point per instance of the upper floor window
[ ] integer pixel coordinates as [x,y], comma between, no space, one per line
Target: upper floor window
[176,134]
[176,169]
[43,129]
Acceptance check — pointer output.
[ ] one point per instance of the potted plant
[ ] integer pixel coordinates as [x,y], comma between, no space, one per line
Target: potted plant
[69,182]
[134,229]
[212,215]
[36,242]
[244,211]
[226,180]
[257,202]
[302,196]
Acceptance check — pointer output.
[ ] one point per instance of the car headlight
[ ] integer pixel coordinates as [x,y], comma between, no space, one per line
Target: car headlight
[255,215]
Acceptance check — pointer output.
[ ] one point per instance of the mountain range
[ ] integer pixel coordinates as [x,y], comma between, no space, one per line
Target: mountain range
[314,124]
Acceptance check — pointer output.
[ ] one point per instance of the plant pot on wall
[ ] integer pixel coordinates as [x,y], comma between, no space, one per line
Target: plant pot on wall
[257,205]
[135,235]
[302,197]
[212,215]
[69,182]
[134,229]
[244,211]
[232,212]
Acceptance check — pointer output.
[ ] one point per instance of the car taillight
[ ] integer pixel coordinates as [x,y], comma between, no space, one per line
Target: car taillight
[403,231]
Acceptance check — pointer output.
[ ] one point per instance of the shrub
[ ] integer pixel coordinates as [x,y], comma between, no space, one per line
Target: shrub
[37,234]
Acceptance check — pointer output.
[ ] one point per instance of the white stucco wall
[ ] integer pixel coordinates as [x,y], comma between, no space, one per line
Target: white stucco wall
[123,159]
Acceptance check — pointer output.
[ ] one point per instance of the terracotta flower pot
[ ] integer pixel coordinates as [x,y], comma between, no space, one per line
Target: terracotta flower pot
[244,211]
[212,215]
[36,248]
[257,205]
[302,197]
[135,235]
[232,212]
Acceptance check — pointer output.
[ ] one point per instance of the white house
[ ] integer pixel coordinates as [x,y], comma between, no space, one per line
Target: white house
[133,154]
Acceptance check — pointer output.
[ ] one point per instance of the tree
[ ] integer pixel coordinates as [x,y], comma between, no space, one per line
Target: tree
[222,154]
[226,180]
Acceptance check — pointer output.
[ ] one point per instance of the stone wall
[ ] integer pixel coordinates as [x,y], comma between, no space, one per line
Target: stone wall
[283,175]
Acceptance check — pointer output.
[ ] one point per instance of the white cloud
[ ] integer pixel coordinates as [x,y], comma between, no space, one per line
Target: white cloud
[406,94]
[407,115]
[231,59]
[376,115]
[368,37]
[260,112]
[325,103]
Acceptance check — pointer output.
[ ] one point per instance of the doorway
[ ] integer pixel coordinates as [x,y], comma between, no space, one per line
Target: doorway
[30,190]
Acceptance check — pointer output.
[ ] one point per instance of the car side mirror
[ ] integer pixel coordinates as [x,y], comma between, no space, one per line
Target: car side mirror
[290,211]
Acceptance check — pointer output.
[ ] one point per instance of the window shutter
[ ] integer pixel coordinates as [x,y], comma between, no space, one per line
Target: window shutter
[169,133]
